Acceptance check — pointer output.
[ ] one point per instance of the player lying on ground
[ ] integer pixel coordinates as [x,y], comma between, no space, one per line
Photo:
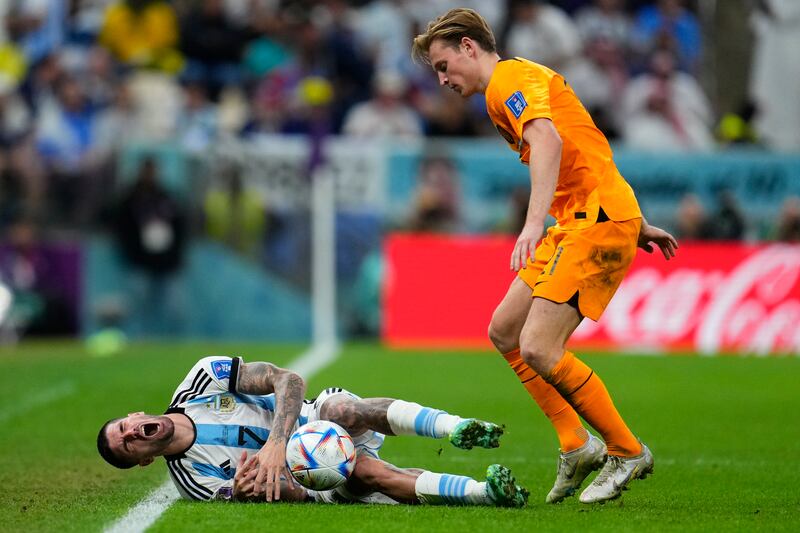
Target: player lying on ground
[225,407]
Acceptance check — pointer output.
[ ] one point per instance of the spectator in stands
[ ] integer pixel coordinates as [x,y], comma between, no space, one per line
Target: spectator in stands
[386,114]
[692,222]
[38,89]
[212,45]
[668,25]
[600,77]
[788,226]
[142,33]
[728,223]
[151,233]
[11,195]
[87,20]
[518,211]
[98,75]
[384,27]
[267,50]
[606,21]
[235,213]
[350,67]
[543,33]
[66,137]
[15,117]
[437,197]
[13,63]
[38,26]
[666,109]
[446,114]
[775,76]
[21,174]
[157,101]
[118,123]
[736,127]
[197,122]
[27,269]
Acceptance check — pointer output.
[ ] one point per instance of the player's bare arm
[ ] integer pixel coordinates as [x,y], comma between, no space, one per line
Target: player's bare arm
[289,389]
[651,234]
[545,142]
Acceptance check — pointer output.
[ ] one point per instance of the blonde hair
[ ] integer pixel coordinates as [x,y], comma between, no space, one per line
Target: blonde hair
[451,28]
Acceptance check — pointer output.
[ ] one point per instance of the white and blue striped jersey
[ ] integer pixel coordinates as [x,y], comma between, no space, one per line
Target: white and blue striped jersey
[227,422]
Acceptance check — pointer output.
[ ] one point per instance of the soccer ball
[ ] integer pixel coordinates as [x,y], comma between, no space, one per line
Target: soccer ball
[320,455]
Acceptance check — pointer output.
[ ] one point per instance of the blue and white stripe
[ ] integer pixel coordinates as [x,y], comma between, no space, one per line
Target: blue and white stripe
[425,422]
[453,489]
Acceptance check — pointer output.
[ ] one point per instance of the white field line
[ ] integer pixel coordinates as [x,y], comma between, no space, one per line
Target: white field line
[145,513]
[30,402]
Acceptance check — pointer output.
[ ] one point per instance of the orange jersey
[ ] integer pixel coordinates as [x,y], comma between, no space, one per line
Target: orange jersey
[520,91]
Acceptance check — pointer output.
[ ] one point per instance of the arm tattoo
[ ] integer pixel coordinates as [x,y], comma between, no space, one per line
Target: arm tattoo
[289,392]
[257,378]
[289,389]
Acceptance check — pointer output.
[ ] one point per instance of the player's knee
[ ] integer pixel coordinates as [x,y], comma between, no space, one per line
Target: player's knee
[536,356]
[502,333]
[341,410]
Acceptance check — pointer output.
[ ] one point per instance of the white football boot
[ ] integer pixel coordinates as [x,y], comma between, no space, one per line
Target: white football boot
[616,474]
[574,466]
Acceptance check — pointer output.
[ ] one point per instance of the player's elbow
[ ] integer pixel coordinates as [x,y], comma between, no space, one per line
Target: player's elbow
[295,381]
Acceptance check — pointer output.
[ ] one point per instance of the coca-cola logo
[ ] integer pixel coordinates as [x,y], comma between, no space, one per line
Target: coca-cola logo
[752,305]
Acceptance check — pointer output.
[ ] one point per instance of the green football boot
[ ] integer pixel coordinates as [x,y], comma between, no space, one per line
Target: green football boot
[473,432]
[503,489]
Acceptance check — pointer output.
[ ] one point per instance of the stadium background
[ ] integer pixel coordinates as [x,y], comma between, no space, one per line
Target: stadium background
[157,160]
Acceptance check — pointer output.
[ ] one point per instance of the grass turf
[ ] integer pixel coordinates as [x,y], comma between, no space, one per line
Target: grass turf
[724,432]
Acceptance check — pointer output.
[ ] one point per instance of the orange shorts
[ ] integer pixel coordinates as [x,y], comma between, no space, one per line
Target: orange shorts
[589,262]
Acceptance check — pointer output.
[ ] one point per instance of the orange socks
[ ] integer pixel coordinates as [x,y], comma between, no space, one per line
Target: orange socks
[570,430]
[585,391]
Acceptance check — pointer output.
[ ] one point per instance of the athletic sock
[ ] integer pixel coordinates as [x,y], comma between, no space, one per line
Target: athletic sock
[568,426]
[406,418]
[585,391]
[446,489]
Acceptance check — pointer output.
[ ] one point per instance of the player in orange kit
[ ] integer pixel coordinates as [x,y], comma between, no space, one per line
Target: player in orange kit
[576,269]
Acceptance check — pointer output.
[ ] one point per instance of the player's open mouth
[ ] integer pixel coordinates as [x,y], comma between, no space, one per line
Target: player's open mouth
[150,430]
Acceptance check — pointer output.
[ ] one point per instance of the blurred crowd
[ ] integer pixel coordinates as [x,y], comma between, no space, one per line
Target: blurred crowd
[83,80]
[436,209]
[79,79]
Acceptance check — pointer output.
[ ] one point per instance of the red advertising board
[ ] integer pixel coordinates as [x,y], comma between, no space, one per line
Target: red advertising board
[729,297]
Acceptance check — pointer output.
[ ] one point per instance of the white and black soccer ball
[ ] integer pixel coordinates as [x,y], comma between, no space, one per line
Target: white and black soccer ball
[320,455]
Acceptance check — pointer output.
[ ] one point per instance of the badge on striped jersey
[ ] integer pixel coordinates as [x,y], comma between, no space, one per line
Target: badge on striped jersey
[222,369]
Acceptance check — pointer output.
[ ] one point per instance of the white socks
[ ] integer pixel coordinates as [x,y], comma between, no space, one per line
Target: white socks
[406,418]
[446,489]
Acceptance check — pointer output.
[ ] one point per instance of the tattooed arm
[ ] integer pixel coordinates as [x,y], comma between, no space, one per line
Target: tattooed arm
[289,389]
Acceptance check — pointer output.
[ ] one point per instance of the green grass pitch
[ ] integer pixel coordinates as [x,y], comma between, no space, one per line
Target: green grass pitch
[725,433]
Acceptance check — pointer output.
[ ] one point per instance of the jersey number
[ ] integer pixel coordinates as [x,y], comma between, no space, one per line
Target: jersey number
[250,433]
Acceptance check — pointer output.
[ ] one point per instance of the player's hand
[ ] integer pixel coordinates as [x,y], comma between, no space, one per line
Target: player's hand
[271,466]
[665,242]
[244,481]
[526,245]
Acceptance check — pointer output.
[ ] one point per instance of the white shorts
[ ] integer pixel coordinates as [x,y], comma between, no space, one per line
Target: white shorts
[369,442]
